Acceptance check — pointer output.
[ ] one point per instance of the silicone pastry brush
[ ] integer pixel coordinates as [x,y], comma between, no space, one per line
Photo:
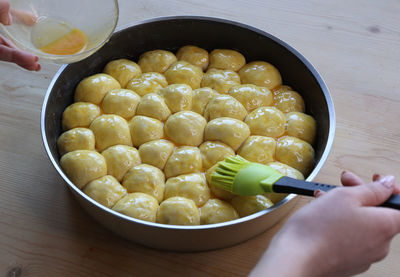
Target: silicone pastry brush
[241,177]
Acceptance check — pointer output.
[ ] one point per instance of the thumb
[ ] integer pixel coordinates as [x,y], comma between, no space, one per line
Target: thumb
[374,194]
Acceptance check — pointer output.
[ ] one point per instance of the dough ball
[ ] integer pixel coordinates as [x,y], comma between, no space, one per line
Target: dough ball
[224,106]
[226,59]
[252,96]
[213,152]
[122,70]
[216,211]
[156,61]
[83,166]
[120,159]
[258,149]
[182,72]
[178,97]
[138,205]
[178,211]
[75,139]
[262,74]
[147,83]
[79,114]
[147,179]
[266,121]
[286,170]
[281,89]
[296,153]
[109,130]
[247,205]
[144,129]
[230,131]
[220,193]
[289,101]
[106,190]
[301,125]
[201,97]
[156,152]
[185,128]
[122,102]
[192,186]
[93,89]
[220,80]
[194,55]
[184,160]
[153,105]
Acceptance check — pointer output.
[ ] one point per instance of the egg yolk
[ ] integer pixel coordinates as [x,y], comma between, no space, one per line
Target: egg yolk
[71,43]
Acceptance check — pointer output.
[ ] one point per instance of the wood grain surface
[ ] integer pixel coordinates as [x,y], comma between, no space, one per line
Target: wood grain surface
[355,45]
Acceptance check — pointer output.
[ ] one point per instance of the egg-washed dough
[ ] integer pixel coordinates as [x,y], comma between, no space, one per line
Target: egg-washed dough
[156,152]
[147,179]
[144,129]
[247,205]
[252,96]
[184,160]
[226,59]
[147,83]
[138,205]
[156,61]
[262,74]
[93,89]
[75,139]
[230,131]
[266,121]
[178,97]
[258,149]
[286,170]
[106,190]
[224,106]
[301,125]
[185,128]
[182,72]
[194,55]
[120,159]
[83,166]
[192,186]
[220,193]
[201,97]
[122,70]
[178,211]
[220,80]
[213,152]
[282,88]
[122,102]
[289,101]
[79,114]
[216,211]
[153,105]
[109,130]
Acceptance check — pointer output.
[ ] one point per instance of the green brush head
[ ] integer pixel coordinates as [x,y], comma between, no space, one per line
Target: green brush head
[241,177]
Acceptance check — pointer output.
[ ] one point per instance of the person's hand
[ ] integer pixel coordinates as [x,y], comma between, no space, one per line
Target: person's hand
[8,51]
[341,233]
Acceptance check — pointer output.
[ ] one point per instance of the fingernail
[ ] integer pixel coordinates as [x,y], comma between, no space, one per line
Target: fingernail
[387,181]
[36,58]
[344,172]
[317,193]
[38,67]
[376,177]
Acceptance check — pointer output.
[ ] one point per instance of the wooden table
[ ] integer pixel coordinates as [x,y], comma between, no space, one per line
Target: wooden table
[354,45]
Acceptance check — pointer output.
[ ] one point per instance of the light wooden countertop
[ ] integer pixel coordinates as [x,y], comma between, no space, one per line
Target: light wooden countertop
[353,44]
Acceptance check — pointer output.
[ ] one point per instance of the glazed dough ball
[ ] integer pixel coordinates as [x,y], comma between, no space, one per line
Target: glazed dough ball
[184,160]
[224,106]
[138,205]
[220,80]
[153,105]
[120,159]
[230,131]
[213,152]
[258,149]
[220,193]
[275,197]
[216,211]
[156,61]
[178,97]
[252,96]
[262,74]
[194,55]
[75,139]
[93,89]
[282,88]
[296,153]
[286,170]
[156,152]
[178,211]
[201,97]
[147,179]
[301,125]
[185,128]
[79,114]
[289,101]
[226,59]
[122,102]
[122,70]
[182,72]
[144,129]
[147,83]
[192,186]
[83,166]
[106,190]
[109,130]
[266,121]
[247,205]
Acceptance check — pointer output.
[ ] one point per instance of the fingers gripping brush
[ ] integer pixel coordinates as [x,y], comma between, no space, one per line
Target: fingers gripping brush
[241,177]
